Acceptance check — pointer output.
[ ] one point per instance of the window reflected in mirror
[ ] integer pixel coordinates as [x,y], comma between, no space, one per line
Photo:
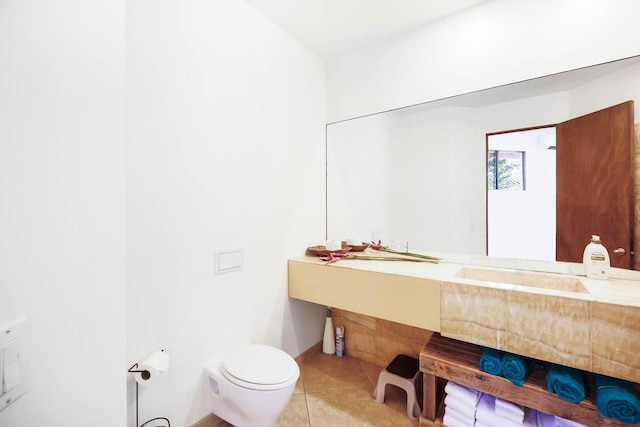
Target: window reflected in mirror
[505,170]
[521,218]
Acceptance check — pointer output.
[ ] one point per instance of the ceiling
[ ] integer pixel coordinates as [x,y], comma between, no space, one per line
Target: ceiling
[333,27]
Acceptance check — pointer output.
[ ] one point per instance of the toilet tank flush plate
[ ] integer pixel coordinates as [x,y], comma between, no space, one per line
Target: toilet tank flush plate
[227,261]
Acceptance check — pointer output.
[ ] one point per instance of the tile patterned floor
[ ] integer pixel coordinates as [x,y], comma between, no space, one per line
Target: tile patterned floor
[337,392]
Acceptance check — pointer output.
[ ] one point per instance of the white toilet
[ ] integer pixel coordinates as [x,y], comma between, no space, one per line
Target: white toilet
[251,386]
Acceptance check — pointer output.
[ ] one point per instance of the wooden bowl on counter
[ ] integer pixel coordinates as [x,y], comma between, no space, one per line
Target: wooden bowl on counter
[321,250]
[356,248]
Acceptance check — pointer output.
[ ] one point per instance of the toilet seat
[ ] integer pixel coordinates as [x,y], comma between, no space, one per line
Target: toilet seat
[260,367]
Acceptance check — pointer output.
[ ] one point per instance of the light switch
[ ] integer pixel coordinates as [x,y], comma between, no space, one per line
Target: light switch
[12,369]
[228,260]
[11,365]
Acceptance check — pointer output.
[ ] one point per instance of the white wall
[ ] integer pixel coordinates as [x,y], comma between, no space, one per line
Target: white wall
[62,207]
[359,154]
[431,172]
[609,90]
[225,122]
[494,43]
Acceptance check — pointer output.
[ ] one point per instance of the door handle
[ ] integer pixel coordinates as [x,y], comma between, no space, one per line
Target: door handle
[619,251]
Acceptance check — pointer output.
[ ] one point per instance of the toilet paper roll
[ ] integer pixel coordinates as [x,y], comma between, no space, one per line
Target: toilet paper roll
[151,368]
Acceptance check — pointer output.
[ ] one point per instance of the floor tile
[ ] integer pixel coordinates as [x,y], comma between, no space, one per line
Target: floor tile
[322,372]
[295,414]
[347,407]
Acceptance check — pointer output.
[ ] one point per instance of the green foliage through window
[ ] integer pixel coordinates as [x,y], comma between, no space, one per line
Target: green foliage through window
[505,170]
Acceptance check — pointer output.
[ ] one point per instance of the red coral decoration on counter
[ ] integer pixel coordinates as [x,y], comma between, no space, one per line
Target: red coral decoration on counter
[333,256]
[376,246]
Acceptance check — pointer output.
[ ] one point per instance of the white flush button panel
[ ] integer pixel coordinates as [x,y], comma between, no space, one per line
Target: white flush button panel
[228,260]
[11,363]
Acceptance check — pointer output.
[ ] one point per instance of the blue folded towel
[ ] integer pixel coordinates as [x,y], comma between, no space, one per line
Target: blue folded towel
[515,368]
[617,399]
[566,382]
[490,360]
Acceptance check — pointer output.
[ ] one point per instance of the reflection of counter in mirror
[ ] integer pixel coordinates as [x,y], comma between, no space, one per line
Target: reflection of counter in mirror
[419,173]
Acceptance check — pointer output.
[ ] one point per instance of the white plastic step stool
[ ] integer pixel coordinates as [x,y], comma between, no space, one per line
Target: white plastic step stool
[403,372]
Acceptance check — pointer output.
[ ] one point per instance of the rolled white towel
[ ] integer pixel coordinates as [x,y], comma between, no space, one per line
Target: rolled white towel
[509,410]
[452,401]
[562,422]
[463,394]
[481,424]
[545,420]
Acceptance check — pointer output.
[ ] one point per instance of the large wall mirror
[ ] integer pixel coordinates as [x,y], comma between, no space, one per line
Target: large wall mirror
[419,174]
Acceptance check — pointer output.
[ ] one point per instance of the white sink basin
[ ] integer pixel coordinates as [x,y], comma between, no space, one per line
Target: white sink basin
[524,278]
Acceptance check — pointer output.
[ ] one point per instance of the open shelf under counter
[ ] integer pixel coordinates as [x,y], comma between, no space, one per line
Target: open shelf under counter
[447,359]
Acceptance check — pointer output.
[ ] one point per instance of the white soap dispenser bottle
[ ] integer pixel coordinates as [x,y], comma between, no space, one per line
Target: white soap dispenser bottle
[596,259]
[328,341]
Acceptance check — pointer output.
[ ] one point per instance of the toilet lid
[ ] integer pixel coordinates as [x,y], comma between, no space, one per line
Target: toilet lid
[260,367]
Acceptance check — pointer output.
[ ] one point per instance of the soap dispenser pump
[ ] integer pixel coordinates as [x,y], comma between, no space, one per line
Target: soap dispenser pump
[596,259]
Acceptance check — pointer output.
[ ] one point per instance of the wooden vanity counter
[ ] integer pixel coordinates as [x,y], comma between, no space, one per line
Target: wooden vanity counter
[597,330]
[402,292]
